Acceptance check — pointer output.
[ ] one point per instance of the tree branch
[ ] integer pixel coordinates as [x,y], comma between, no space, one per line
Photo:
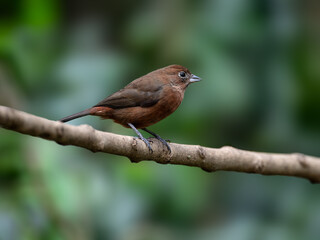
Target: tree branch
[209,159]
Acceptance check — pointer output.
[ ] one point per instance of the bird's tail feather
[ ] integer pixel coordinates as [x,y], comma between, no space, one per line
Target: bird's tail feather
[76,115]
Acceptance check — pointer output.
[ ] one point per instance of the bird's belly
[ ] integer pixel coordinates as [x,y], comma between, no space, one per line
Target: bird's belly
[142,117]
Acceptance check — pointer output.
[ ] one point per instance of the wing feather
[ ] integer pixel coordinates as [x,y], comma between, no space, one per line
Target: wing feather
[140,92]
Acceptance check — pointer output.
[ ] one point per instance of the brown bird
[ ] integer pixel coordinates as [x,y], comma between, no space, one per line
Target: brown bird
[145,101]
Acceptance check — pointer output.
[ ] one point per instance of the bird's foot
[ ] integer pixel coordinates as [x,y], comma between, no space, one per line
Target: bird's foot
[147,143]
[141,137]
[164,142]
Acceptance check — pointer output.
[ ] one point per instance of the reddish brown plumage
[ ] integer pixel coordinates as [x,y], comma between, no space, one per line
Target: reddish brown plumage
[146,100]
[142,117]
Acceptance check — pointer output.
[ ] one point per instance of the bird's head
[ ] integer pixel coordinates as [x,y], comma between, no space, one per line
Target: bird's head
[179,76]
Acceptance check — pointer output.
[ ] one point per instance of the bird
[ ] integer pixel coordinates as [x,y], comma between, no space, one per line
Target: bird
[144,101]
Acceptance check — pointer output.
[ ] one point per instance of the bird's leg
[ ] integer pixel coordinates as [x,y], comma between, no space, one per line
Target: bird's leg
[164,142]
[141,137]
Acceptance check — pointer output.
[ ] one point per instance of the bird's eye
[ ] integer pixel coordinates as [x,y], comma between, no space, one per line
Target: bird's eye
[182,74]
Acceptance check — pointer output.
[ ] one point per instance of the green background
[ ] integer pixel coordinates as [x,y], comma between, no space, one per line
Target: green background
[260,65]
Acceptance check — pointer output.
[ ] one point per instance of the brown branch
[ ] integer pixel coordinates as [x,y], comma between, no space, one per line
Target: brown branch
[209,159]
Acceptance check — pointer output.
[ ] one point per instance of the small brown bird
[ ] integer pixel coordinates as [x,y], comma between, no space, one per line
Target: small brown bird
[145,101]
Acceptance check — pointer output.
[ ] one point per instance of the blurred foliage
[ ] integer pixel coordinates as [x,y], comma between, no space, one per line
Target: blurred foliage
[259,61]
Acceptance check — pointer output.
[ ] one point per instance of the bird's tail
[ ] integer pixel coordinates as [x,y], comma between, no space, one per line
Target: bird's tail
[76,115]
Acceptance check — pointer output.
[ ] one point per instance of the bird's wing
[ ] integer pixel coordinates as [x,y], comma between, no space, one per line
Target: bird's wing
[137,93]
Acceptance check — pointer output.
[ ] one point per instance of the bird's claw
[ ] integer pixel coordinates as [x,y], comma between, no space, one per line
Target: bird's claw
[141,137]
[164,142]
[147,143]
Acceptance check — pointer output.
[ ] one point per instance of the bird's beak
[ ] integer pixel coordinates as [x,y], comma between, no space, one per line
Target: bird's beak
[194,78]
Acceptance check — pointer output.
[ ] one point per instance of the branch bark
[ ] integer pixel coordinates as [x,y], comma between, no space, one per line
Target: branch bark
[209,159]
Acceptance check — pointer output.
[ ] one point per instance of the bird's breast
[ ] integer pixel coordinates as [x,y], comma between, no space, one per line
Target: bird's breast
[170,100]
[141,117]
